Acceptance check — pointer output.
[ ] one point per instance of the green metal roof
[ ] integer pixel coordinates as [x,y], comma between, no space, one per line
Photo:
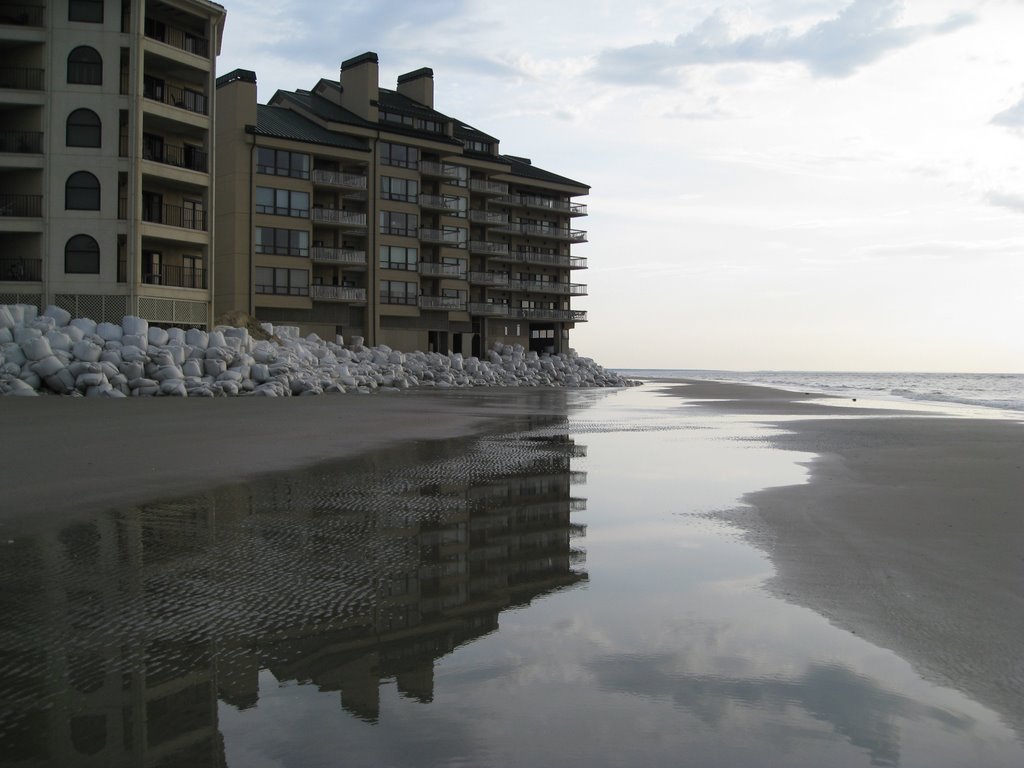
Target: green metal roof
[283,123]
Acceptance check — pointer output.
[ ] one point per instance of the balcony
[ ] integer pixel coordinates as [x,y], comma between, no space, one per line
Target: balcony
[349,181]
[519,313]
[338,294]
[337,217]
[496,279]
[448,303]
[21,270]
[21,78]
[547,259]
[177,38]
[541,230]
[484,187]
[27,206]
[182,98]
[432,269]
[21,15]
[546,203]
[489,218]
[444,237]
[22,142]
[343,256]
[491,249]
[444,203]
[177,277]
[175,216]
[191,158]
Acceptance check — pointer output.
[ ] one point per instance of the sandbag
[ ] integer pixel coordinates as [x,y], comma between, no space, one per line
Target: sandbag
[109,331]
[157,336]
[86,351]
[36,348]
[134,326]
[60,316]
[84,324]
[196,337]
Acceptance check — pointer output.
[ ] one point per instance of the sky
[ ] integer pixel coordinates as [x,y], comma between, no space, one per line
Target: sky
[775,184]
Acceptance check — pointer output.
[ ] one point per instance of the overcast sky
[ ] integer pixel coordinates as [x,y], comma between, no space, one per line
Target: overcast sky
[776,184]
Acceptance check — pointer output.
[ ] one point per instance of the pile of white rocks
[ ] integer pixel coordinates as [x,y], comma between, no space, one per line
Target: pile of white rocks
[55,354]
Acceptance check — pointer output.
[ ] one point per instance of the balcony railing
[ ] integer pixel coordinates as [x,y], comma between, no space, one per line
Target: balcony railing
[178,38]
[22,15]
[442,170]
[547,259]
[337,293]
[338,217]
[488,217]
[520,313]
[192,158]
[183,98]
[540,286]
[21,78]
[499,279]
[175,276]
[539,230]
[29,206]
[441,203]
[432,269]
[485,187]
[21,270]
[175,216]
[547,203]
[351,181]
[24,142]
[449,303]
[493,249]
[445,237]
[347,256]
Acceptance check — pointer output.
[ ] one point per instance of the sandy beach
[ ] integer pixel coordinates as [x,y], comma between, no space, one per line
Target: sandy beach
[907,533]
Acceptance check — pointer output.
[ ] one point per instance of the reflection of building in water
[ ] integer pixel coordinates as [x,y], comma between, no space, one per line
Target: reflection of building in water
[118,635]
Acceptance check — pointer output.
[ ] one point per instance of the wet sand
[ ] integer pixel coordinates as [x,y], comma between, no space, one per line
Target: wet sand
[908,532]
[63,457]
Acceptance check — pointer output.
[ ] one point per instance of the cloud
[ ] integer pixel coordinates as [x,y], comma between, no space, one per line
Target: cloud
[1013,117]
[1005,200]
[860,34]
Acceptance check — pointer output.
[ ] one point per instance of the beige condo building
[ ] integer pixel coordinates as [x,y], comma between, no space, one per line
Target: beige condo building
[358,210]
[106,138]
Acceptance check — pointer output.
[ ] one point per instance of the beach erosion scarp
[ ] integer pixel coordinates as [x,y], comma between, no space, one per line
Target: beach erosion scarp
[53,353]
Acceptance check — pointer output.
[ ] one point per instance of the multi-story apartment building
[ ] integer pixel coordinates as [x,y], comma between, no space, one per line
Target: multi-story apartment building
[358,210]
[106,128]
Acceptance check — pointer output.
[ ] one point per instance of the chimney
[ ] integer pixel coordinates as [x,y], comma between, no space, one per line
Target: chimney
[359,85]
[418,86]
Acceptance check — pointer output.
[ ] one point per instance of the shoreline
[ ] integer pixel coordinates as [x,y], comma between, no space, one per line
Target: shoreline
[906,532]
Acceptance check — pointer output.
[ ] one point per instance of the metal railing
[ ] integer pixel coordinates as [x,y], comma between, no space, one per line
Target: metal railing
[431,168]
[21,270]
[488,187]
[175,216]
[347,256]
[25,142]
[449,303]
[178,38]
[540,286]
[175,276]
[452,239]
[489,278]
[440,202]
[337,293]
[182,98]
[493,249]
[343,180]
[488,217]
[547,259]
[22,78]
[192,158]
[547,203]
[520,313]
[540,230]
[338,216]
[433,269]
[21,15]
[29,206]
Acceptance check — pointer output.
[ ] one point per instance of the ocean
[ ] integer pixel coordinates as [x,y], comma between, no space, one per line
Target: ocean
[977,394]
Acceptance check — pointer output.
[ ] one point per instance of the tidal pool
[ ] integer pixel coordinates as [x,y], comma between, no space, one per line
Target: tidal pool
[563,593]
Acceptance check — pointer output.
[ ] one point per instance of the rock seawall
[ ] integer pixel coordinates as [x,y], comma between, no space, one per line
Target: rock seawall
[51,353]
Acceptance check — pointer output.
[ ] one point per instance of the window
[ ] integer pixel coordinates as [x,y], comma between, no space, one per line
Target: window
[478,146]
[455,236]
[397,257]
[282,202]
[456,174]
[280,162]
[542,333]
[85,66]
[86,10]
[399,155]
[82,192]
[454,293]
[283,242]
[83,129]
[82,256]
[282,282]
[398,292]
[394,223]
[459,264]
[403,190]
[419,123]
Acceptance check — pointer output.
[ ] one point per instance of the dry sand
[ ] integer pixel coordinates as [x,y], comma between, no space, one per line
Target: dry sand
[910,532]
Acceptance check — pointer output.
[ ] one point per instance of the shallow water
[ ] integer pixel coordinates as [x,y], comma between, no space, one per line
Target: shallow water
[562,594]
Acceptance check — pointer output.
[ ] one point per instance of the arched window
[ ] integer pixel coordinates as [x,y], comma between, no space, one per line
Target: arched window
[85,66]
[84,129]
[86,10]
[82,256]
[82,192]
